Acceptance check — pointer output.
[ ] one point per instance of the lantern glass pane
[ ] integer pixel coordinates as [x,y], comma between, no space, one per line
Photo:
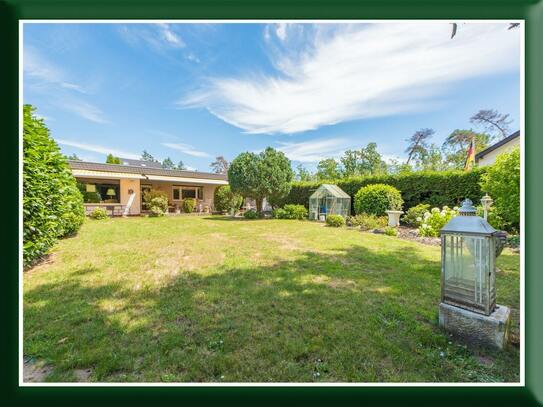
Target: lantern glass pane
[466,271]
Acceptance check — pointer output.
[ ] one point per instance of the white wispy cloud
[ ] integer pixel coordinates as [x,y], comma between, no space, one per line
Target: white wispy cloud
[159,37]
[85,110]
[170,36]
[355,72]
[36,66]
[186,149]
[315,150]
[98,149]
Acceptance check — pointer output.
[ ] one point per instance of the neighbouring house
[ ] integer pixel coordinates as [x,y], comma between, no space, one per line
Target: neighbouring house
[120,187]
[489,154]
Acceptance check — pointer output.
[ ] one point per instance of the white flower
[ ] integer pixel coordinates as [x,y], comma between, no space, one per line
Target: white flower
[419,219]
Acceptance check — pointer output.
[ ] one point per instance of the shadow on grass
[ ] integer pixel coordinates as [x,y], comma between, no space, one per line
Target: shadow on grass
[345,315]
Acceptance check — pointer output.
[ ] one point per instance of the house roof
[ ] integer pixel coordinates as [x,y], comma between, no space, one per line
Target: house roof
[146,171]
[500,143]
[141,163]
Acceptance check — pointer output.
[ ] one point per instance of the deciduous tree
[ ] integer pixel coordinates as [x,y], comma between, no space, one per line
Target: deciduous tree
[111,159]
[258,176]
[328,169]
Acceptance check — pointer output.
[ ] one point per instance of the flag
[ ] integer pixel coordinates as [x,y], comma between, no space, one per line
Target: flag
[470,159]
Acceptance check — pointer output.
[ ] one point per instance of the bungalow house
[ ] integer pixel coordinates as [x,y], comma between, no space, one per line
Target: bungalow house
[489,154]
[120,187]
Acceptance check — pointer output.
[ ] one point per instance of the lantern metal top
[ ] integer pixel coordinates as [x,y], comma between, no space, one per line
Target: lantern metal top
[467,208]
[468,222]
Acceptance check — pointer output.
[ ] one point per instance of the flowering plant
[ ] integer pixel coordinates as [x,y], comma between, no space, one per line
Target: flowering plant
[432,221]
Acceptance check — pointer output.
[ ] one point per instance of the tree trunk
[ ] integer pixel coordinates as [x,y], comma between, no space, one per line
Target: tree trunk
[259,205]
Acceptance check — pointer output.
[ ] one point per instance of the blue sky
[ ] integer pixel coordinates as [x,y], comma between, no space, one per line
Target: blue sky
[194,91]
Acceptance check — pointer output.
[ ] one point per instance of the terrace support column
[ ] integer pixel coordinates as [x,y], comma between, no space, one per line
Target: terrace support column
[127,186]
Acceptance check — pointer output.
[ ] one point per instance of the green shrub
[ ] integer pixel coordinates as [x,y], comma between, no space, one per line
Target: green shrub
[413,216]
[52,203]
[390,231]
[434,220]
[291,212]
[436,188]
[188,205]
[158,205]
[495,220]
[335,221]
[502,182]
[367,221]
[279,213]
[377,199]
[148,196]
[513,240]
[250,214]
[225,200]
[99,213]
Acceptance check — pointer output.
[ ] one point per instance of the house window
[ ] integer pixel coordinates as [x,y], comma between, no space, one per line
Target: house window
[189,193]
[180,193]
[100,192]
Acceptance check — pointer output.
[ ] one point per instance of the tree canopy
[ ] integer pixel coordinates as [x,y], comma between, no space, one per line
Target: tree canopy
[456,146]
[417,148]
[494,123]
[328,169]
[111,159]
[168,163]
[220,165]
[73,157]
[365,161]
[258,176]
[146,156]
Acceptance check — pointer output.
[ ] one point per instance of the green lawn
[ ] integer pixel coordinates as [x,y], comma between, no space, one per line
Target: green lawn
[214,299]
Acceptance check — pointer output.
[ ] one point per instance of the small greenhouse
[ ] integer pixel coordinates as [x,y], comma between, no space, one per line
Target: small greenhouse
[329,199]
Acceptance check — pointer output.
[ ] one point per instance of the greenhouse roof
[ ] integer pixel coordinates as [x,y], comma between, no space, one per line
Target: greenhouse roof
[330,189]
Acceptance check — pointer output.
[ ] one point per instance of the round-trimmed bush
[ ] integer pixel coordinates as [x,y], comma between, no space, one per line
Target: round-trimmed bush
[99,213]
[52,203]
[376,199]
[335,221]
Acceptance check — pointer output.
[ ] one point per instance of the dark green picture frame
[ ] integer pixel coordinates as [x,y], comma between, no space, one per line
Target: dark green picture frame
[11,11]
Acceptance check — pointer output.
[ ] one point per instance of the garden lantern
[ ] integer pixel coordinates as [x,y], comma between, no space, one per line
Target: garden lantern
[486,201]
[469,247]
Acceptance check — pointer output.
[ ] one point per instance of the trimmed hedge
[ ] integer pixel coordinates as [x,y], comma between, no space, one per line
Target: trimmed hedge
[433,188]
[52,203]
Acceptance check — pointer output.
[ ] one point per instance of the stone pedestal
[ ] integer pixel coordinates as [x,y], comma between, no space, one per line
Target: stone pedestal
[491,330]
